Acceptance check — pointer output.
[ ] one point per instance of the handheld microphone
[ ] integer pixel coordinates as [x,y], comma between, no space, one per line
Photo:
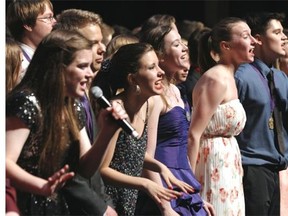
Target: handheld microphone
[104,103]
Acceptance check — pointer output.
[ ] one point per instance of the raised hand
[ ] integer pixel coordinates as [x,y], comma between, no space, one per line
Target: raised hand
[57,180]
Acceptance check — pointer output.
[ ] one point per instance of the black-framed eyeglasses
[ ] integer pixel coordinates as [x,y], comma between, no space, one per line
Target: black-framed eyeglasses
[48,19]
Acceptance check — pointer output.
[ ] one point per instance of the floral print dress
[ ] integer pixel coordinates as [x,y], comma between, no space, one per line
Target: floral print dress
[219,167]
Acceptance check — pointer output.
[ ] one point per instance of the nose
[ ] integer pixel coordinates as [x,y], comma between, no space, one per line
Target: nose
[284,36]
[54,21]
[102,47]
[89,73]
[185,47]
[253,40]
[160,72]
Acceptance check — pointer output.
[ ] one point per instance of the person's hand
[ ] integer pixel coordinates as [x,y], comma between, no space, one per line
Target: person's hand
[167,210]
[209,208]
[110,114]
[171,180]
[118,111]
[158,192]
[110,211]
[57,180]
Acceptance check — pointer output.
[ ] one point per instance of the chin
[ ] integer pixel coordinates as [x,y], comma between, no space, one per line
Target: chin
[78,94]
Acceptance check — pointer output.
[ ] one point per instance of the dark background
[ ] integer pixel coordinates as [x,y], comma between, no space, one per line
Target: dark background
[132,13]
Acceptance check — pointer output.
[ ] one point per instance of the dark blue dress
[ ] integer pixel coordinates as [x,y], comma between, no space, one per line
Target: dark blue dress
[171,150]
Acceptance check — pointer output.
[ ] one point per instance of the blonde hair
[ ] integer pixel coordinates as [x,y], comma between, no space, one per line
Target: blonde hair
[117,42]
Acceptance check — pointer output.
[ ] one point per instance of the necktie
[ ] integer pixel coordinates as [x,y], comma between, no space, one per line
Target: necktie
[277,115]
[89,123]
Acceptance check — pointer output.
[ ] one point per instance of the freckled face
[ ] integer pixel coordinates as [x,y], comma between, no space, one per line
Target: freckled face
[78,74]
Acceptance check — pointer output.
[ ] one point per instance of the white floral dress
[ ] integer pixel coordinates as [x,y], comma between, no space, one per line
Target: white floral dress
[219,167]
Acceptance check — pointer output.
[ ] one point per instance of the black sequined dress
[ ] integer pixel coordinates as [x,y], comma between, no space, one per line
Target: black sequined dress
[128,159]
[25,106]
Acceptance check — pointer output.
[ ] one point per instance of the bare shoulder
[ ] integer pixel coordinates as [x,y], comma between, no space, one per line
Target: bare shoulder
[211,88]
[155,102]
[213,78]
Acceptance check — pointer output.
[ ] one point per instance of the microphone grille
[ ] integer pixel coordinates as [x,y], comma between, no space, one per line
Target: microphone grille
[97,92]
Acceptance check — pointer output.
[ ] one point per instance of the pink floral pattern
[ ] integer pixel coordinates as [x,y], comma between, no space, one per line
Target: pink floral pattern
[219,168]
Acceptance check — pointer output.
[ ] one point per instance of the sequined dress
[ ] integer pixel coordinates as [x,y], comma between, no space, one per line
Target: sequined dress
[219,167]
[25,106]
[128,159]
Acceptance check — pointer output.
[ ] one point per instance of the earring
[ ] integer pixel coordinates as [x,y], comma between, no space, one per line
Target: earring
[138,90]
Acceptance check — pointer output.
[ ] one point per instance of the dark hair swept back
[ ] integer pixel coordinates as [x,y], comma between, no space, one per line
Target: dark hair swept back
[210,41]
[125,61]
[258,21]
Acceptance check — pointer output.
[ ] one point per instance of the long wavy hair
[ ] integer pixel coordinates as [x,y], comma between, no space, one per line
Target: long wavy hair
[58,123]
[13,63]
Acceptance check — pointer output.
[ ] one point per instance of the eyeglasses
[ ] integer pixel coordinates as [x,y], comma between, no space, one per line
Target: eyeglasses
[48,19]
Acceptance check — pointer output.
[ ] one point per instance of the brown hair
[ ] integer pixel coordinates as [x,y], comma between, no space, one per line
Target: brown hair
[13,63]
[58,121]
[24,12]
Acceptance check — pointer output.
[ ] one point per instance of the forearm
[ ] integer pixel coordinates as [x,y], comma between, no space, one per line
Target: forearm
[155,177]
[152,164]
[25,181]
[115,178]
[193,149]
[93,157]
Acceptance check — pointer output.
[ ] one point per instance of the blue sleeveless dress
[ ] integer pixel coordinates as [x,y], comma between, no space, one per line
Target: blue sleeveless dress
[171,150]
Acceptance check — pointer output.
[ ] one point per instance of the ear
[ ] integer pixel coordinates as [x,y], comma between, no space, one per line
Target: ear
[215,56]
[225,45]
[28,28]
[160,58]
[131,79]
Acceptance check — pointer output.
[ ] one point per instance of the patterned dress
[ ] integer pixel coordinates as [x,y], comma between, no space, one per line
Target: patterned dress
[25,106]
[219,167]
[128,158]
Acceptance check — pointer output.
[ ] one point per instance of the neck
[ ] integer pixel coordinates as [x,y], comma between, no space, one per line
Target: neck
[132,102]
[29,43]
